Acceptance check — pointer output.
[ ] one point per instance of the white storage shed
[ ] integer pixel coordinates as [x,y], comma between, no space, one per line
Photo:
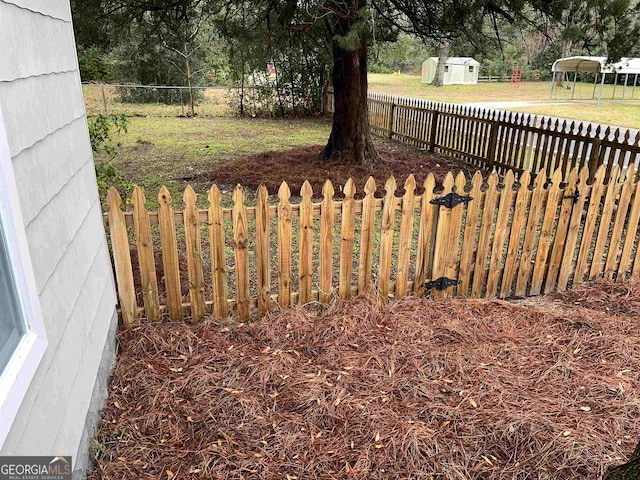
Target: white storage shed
[457,71]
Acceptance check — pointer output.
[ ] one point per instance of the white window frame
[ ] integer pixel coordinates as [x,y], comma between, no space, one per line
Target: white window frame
[19,371]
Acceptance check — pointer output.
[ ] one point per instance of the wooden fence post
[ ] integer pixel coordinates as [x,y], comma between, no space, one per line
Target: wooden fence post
[121,258]
[493,141]
[392,109]
[435,114]
[262,251]
[284,246]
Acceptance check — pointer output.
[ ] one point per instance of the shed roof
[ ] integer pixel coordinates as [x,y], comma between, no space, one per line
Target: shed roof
[458,60]
[580,64]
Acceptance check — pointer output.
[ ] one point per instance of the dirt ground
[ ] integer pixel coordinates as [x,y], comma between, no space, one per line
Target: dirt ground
[420,389]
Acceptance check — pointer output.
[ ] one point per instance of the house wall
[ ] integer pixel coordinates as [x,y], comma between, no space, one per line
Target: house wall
[42,104]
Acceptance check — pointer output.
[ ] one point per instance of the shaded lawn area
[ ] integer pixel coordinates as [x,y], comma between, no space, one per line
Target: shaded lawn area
[419,388]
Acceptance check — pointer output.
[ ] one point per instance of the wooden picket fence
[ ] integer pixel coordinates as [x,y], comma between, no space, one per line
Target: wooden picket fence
[512,237]
[502,140]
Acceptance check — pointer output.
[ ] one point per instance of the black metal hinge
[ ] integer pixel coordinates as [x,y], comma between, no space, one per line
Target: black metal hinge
[441,283]
[450,200]
[575,196]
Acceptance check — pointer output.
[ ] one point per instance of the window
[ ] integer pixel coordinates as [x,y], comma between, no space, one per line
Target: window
[470,68]
[446,68]
[22,335]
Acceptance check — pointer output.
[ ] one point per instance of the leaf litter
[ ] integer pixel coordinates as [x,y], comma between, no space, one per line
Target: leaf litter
[416,389]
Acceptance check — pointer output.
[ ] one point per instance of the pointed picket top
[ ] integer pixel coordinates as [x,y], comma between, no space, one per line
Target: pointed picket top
[284,194]
[598,131]
[306,191]
[429,183]
[370,186]
[390,186]
[540,181]
[607,133]
[448,182]
[113,198]
[349,189]
[564,126]
[492,182]
[614,177]
[572,178]
[477,179]
[616,135]
[626,136]
[263,193]
[508,181]
[189,195]
[533,120]
[460,183]
[137,198]
[410,185]
[572,127]
[164,197]
[238,195]
[214,195]
[525,179]
[557,177]
[588,133]
[584,175]
[630,173]
[598,177]
[327,190]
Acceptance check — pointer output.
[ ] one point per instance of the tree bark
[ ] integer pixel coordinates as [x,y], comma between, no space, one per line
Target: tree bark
[350,139]
[443,55]
[628,471]
[566,48]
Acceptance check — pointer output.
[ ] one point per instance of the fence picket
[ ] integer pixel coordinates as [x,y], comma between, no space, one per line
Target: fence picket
[241,252]
[470,233]
[386,239]
[575,223]
[347,234]
[327,222]
[218,258]
[122,258]
[501,235]
[423,251]
[522,201]
[605,222]
[367,235]
[406,234]
[443,240]
[591,219]
[531,232]
[630,237]
[486,227]
[452,262]
[263,254]
[194,254]
[169,243]
[541,261]
[306,244]
[610,267]
[146,259]
[284,246]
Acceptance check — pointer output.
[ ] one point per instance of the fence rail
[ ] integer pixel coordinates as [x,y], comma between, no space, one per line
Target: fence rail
[502,140]
[505,238]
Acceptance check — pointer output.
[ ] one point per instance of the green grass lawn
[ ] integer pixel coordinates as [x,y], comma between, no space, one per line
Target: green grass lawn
[582,108]
[166,151]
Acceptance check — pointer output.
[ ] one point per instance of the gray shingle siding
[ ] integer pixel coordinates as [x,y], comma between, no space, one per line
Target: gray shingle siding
[43,109]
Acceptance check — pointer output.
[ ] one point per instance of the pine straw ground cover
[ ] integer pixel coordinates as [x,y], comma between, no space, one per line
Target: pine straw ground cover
[419,389]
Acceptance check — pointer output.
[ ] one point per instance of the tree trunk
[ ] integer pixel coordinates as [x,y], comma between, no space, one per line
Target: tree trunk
[191,103]
[566,48]
[350,138]
[443,55]
[628,471]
